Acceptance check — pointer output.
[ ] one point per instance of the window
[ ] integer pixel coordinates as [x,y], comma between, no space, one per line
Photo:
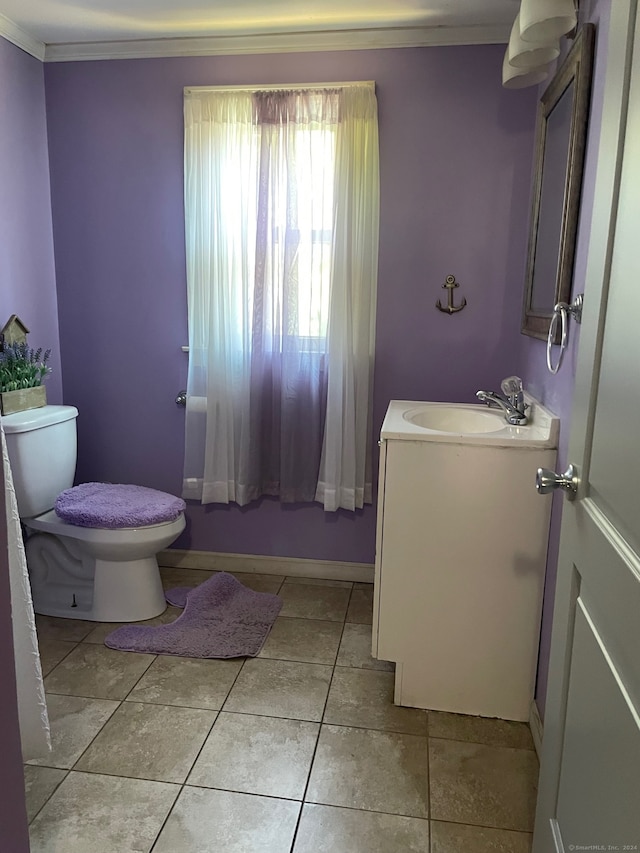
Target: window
[281,201]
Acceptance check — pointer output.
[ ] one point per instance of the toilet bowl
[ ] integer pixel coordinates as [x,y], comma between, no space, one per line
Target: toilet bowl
[94,573]
[103,566]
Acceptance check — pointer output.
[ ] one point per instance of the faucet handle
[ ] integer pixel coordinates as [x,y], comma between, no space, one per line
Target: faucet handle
[511,385]
[513,390]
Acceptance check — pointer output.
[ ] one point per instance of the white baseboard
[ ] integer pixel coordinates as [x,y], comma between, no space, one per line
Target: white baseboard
[535,724]
[258,564]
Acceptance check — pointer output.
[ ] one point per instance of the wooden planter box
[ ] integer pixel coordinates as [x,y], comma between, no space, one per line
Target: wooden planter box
[25,398]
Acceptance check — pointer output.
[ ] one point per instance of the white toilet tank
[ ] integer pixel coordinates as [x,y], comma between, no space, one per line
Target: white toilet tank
[42,448]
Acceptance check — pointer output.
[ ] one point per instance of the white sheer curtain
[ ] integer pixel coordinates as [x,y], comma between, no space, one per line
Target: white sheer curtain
[281,202]
[345,471]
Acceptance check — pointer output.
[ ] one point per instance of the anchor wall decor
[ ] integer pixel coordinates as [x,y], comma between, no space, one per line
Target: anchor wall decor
[449,284]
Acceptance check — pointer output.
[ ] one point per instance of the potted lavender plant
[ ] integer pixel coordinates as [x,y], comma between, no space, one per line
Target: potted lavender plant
[22,371]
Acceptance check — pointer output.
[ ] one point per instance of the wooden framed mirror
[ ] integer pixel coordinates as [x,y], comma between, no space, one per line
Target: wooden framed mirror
[561,131]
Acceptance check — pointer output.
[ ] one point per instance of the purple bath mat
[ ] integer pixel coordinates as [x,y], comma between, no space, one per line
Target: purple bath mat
[221,619]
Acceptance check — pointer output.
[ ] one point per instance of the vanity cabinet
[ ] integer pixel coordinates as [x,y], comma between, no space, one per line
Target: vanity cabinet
[460,563]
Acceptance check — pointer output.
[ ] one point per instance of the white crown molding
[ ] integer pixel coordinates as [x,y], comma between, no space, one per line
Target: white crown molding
[16,35]
[293,42]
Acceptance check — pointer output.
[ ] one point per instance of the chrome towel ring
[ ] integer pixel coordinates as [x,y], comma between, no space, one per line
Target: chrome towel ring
[561,313]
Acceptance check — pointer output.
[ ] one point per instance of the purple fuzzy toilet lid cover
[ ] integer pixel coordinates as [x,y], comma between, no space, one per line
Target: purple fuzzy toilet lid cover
[116,505]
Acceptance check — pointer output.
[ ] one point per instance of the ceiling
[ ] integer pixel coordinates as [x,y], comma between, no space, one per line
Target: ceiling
[56,23]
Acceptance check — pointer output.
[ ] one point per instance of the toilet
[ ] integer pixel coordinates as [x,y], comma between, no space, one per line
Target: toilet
[94,558]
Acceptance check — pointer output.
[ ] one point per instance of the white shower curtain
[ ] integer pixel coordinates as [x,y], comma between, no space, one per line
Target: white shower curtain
[32,707]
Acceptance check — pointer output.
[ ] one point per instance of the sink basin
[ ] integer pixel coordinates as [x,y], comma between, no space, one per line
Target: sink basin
[457,419]
[468,423]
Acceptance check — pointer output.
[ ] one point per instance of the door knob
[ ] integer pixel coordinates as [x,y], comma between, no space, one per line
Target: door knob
[547,481]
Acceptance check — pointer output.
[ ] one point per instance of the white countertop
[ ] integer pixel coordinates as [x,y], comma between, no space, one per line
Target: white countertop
[541,430]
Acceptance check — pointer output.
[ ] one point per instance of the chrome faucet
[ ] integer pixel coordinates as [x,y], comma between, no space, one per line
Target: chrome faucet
[512,403]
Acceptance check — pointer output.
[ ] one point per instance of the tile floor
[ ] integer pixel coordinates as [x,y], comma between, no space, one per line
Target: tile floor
[299,750]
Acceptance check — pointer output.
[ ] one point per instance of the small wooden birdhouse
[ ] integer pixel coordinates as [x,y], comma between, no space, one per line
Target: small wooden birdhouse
[14,330]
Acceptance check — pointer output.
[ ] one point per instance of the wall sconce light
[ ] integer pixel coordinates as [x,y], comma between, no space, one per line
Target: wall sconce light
[520,78]
[547,20]
[535,40]
[530,54]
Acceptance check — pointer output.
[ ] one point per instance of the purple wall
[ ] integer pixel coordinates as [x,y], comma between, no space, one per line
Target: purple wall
[27,279]
[556,392]
[456,154]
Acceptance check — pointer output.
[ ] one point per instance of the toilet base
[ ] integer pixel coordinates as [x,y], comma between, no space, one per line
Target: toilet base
[132,590]
[69,584]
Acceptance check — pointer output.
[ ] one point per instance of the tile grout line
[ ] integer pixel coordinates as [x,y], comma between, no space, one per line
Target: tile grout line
[303,720]
[66,773]
[53,693]
[484,826]
[168,815]
[483,743]
[92,741]
[184,784]
[73,646]
[477,826]
[324,709]
[70,769]
[138,778]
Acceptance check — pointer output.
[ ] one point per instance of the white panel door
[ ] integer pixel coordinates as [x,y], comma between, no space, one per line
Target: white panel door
[589,796]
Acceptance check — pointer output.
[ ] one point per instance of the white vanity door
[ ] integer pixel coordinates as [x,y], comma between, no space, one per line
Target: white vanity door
[590,775]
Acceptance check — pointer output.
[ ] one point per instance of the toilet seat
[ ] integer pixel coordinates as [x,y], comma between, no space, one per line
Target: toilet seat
[117,506]
[50,522]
